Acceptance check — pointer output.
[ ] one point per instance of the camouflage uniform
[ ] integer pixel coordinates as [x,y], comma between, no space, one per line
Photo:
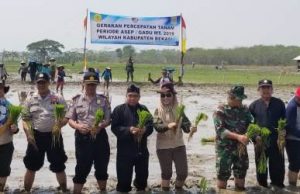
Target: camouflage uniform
[234,120]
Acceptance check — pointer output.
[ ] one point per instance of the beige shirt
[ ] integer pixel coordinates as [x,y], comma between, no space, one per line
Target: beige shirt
[166,138]
[39,110]
[83,110]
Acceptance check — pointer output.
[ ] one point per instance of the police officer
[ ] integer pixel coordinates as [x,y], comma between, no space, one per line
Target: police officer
[231,121]
[39,110]
[130,152]
[90,150]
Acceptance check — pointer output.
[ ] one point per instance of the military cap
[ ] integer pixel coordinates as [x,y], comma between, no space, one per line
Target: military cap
[238,92]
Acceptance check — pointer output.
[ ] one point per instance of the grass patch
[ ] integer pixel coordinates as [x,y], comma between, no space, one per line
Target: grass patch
[203,74]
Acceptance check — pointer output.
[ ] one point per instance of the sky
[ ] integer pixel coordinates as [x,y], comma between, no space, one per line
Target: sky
[210,23]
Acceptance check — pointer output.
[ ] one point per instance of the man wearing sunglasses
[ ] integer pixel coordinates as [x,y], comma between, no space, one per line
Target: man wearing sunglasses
[131,153]
[231,122]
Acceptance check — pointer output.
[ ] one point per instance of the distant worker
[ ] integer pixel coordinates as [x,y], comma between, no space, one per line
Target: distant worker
[129,69]
[23,70]
[52,69]
[61,78]
[3,72]
[165,78]
[46,69]
[107,76]
[33,67]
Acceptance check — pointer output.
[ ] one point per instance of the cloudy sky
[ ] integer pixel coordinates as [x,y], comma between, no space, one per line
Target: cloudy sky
[210,23]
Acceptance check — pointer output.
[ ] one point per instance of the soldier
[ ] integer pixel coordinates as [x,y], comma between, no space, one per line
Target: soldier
[130,152]
[39,115]
[6,137]
[231,121]
[90,149]
[267,110]
[129,69]
[23,71]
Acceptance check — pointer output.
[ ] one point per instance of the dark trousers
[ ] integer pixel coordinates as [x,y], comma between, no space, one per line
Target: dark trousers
[32,76]
[91,152]
[276,167]
[129,73]
[125,166]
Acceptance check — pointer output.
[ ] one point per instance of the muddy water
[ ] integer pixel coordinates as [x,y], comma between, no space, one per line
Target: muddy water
[201,158]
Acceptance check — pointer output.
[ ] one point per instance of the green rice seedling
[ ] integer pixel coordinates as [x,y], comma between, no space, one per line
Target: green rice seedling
[199,117]
[59,113]
[14,113]
[281,135]
[99,116]
[144,117]
[203,185]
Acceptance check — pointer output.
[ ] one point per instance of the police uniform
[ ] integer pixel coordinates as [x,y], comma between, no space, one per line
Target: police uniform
[90,151]
[40,112]
[235,120]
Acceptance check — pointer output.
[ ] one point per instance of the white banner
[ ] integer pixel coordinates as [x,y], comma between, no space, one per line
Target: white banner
[110,29]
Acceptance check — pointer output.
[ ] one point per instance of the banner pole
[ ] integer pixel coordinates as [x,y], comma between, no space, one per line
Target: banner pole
[85,34]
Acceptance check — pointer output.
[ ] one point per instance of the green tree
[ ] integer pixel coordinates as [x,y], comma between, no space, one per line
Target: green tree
[128,51]
[44,49]
[119,53]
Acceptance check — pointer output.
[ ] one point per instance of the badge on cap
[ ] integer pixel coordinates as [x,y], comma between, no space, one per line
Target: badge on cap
[91,78]
[265,81]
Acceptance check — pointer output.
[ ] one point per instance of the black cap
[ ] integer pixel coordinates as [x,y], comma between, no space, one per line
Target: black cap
[265,82]
[133,89]
[91,77]
[42,77]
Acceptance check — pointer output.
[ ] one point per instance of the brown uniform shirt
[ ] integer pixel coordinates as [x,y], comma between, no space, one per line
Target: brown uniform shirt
[83,111]
[40,111]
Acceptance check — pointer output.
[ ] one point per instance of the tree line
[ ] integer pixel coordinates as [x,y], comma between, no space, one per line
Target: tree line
[42,50]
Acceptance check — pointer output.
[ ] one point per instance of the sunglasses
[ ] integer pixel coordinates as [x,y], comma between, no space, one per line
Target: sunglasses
[166,95]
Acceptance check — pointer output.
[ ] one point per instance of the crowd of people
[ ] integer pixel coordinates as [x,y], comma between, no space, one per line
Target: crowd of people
[231,121]
[132,152]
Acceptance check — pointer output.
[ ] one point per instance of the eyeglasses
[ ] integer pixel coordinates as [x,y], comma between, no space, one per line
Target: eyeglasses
[166,95]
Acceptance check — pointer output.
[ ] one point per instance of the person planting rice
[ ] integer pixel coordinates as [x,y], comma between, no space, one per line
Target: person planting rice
[107,76]
[89,114]
[267,111]
[6,136]
[132,129]
[231,121]
[38,123]
[293,137]
[169,122]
